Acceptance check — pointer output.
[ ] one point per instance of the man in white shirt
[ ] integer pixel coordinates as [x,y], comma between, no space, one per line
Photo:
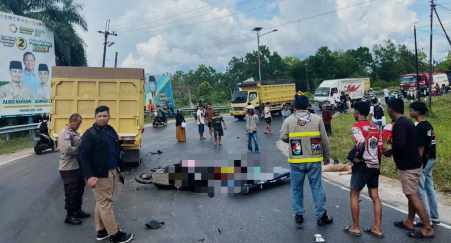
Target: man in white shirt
[200,118]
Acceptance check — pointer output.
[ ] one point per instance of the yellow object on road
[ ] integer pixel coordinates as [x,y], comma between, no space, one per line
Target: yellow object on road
[82,89]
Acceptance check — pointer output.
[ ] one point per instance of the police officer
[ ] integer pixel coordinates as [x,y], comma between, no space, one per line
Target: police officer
[308,147]
[69,168]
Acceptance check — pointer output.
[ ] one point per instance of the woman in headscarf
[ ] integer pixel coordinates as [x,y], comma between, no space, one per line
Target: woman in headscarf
[180,130]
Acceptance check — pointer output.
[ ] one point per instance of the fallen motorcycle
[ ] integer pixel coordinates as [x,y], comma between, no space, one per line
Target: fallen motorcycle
[183,178]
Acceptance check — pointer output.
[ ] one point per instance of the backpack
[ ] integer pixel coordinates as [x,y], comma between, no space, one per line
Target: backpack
[368,151]
[378,112]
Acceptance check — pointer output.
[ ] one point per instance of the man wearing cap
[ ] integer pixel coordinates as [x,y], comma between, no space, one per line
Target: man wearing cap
[308,147]
[15,88]
[44,87]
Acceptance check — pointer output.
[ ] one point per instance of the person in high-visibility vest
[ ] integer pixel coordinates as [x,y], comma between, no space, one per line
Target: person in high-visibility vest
[308,147]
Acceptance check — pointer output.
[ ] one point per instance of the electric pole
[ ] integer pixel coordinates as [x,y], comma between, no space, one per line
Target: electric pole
[105,34]
[115,60]
[416,60]
[430,55]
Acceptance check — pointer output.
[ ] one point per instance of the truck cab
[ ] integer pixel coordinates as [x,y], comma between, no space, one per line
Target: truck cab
[326,92]
[245,94]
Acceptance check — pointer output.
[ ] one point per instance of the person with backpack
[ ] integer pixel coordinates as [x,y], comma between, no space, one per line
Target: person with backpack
[365,158]
[427,149]
[377,113]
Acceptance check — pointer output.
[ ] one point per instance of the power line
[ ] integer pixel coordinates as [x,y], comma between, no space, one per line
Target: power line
[175,24]
[179,16]
[329,12]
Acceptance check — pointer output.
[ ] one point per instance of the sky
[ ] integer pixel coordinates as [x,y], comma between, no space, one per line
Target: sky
[169,35]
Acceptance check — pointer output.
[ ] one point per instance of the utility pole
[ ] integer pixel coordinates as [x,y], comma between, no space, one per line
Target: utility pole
[258,30]
[441,24]
[416,60]
[115,60]
[430,55]
[105,34]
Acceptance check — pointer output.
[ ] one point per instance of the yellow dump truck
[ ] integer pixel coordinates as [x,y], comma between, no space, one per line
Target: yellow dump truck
[257,94]
[82,89]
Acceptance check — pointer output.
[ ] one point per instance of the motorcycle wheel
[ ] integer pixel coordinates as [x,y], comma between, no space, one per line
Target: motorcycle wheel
[37,149]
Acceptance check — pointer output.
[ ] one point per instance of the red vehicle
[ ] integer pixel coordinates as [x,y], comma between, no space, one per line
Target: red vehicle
[408,84]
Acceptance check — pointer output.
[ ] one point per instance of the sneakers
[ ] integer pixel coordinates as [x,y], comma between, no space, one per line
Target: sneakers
[122,237]
[72,220]
[299,219]
[81,215]
[102,235]
[325,220]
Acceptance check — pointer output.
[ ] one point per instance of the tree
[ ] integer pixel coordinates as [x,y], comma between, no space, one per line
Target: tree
[60,16]
[385,58]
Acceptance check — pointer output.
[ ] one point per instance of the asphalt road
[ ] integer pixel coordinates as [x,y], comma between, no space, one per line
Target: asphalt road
[31,201]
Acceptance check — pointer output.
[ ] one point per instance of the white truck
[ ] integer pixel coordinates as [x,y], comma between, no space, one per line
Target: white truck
[330,90]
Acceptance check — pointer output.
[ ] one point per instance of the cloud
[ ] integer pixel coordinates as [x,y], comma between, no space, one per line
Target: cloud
[181,34]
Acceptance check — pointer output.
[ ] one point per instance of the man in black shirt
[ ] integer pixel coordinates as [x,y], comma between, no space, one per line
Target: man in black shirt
[407,160]
[427,150]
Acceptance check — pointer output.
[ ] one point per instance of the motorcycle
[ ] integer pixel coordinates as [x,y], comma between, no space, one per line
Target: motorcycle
[42,141]
[159,121]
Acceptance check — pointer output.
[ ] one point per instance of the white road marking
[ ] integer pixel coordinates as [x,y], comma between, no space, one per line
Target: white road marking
[446,226]
[3,163]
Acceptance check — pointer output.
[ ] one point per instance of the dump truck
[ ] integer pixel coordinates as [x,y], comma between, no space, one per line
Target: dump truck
[257,94]
[82,89]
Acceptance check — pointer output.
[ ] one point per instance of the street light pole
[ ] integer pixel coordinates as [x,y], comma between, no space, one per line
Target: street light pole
[258,30]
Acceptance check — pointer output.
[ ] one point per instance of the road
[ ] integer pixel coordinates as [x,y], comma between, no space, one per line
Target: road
[31,201]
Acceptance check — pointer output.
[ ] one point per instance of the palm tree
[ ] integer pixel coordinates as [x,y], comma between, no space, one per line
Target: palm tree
[61,16]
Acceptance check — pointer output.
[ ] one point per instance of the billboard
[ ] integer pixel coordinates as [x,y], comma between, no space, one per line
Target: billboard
[26,56]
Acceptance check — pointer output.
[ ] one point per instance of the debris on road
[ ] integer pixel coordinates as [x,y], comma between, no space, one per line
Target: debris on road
[318,238]
[154,224]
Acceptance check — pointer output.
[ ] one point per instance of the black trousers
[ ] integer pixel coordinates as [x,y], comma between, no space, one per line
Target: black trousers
[328,129]
[74,187]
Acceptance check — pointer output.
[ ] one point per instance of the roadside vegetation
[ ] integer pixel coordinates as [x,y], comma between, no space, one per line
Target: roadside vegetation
[15,143]
[341,142]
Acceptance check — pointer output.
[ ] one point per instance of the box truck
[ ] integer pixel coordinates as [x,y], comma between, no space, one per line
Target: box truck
[328,90]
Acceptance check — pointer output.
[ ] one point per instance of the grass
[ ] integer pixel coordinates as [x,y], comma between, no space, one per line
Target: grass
[15,143]
[440,119]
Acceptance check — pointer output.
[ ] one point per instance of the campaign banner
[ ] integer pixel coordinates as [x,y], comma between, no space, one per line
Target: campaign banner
[27,53]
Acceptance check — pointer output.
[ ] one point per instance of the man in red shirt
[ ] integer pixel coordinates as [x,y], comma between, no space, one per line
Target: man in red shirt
[365,169]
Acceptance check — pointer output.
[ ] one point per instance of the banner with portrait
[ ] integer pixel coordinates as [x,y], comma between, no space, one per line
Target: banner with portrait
[27,54]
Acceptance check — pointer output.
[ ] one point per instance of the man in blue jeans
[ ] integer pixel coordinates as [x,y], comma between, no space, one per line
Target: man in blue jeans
[427,149]
[251,128]
[308,147]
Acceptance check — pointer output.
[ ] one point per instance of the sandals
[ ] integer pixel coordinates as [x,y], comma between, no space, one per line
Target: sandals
[401,225]
[372,233]
[418,235]
[348,231]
